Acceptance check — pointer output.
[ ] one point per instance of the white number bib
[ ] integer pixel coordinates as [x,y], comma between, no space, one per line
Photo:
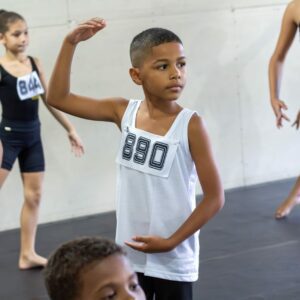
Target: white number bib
[29,86]
[147,152]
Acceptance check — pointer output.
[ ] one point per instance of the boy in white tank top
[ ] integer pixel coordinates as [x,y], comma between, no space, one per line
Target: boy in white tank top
[163,149]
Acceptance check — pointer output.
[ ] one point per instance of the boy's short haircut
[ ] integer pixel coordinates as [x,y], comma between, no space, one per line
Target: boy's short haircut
[142,43]
[62,273]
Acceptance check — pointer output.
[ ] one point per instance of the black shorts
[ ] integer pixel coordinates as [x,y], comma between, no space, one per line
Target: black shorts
[164,289]
[25,145]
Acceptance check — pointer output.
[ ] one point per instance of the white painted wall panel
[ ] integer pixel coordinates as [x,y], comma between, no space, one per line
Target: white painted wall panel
[116,10]
[187,6]
[39,13]
[265,148]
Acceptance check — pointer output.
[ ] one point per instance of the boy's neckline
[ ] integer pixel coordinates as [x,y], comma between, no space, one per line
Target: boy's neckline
[168,132]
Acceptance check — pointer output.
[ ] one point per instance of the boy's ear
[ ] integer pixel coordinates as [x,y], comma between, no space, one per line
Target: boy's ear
[135,75]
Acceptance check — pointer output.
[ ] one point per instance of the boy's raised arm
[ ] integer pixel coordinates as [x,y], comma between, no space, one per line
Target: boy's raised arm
[59,94]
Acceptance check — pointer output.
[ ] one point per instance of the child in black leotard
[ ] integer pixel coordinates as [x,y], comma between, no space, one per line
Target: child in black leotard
[21,85]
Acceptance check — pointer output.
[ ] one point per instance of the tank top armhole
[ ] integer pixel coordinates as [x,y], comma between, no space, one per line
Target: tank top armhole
[189,115]
[131,106]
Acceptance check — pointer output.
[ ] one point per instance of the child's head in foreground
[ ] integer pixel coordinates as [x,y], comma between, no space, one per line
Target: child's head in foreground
[91,268]
[158,63]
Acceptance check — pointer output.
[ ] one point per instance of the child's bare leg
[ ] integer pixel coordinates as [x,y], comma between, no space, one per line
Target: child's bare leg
[3,175]
[29,219]
[288,204]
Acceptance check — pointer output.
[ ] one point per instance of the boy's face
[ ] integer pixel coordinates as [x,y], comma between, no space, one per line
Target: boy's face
[111,278]
[163,72]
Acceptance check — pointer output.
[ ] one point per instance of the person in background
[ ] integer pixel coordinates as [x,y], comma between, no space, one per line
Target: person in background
[22,84]
[289,27]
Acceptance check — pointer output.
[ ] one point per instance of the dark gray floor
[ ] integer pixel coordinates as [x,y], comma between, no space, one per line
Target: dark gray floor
[245,253]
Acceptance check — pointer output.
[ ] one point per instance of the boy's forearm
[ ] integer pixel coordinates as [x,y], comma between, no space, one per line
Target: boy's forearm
[204,211]
[59,85]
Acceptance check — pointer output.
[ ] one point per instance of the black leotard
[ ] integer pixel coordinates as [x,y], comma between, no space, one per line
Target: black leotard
[13,108]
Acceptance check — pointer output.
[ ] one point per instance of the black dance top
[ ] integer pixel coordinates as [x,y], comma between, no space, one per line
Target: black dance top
[19,95]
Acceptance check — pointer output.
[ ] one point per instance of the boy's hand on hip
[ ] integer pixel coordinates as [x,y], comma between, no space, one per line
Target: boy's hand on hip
[150,244]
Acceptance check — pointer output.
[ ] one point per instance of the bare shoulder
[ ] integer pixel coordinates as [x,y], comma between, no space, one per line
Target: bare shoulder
[197,133]
[120,106]
[196,124]
[3,60]
[293,11]
[122,103]
[293,4]
[38,63]
[199,143]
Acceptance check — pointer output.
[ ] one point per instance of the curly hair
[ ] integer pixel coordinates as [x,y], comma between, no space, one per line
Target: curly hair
[62,273]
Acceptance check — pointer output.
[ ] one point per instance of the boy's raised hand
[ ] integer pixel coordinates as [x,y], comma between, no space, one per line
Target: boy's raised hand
[85,30]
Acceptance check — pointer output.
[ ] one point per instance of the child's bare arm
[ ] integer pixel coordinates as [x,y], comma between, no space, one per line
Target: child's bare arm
[287,33]
[59,95]
[75,140]
[213,195]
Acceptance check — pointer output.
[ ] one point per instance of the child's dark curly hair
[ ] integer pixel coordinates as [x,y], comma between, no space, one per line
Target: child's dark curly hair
[62,273]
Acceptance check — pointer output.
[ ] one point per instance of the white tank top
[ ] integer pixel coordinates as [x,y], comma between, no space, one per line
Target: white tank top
[156,194]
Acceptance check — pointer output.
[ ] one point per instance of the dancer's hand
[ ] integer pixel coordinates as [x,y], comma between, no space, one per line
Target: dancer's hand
[150,244]
[76,143]
[297,121]
[85,30]
[278,107]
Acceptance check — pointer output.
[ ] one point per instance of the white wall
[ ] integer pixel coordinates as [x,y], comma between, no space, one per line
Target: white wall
[228,44]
